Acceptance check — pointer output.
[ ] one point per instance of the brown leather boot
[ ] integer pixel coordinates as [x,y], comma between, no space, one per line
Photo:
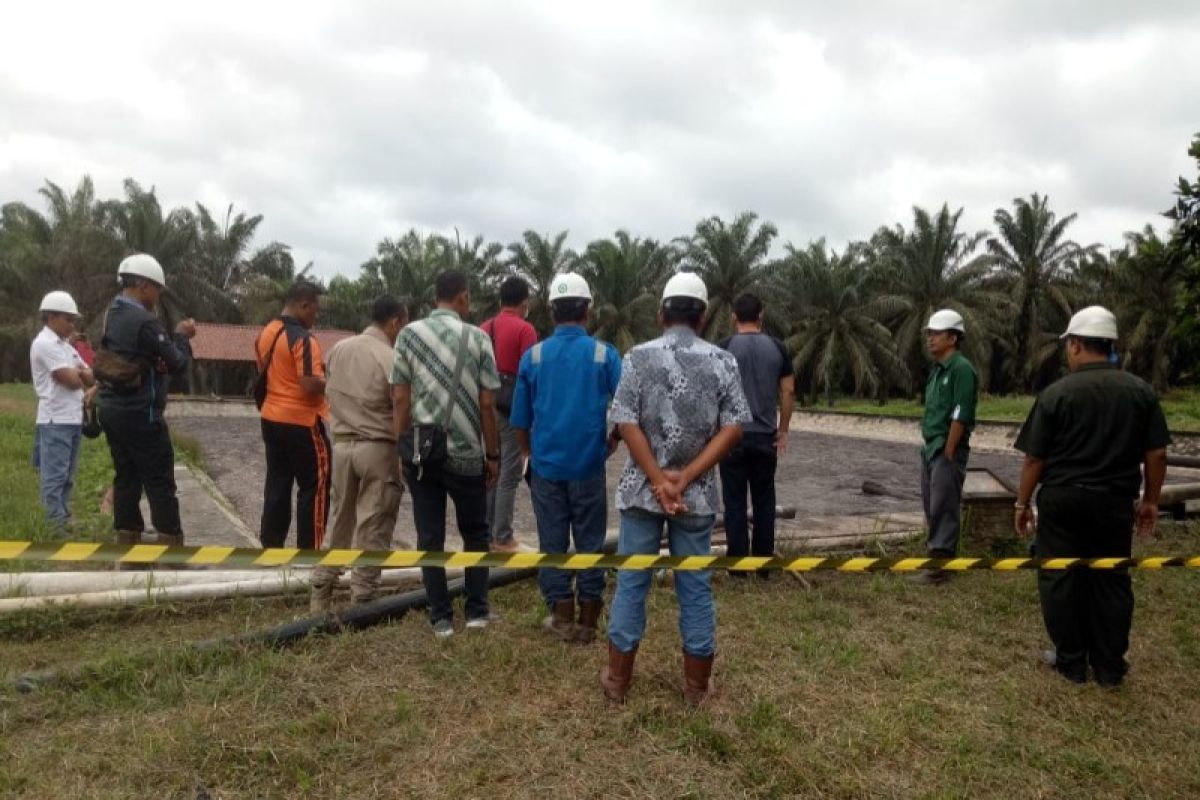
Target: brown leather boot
[561,623]
[616,676]
[696,674]
[589,617]
[170,540]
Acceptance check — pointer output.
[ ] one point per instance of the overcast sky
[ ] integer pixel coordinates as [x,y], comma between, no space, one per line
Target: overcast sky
[346,122]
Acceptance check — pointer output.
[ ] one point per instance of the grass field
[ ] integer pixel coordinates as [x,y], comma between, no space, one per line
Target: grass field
[862,686]
[1181,407]
[857,686]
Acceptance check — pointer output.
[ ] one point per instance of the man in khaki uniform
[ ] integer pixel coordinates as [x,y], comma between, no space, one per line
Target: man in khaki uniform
[366,470]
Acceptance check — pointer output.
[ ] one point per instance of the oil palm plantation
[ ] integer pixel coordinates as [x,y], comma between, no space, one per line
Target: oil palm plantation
[732,258]
[837,333]
[626,276]
[1035,265]
[933,266]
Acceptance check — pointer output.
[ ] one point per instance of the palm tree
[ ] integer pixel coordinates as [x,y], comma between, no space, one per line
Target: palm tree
[732,259]
[72,248]
[626,276]
[1143,285]
[934,266]
[1035,264]
[538,259]
[219,254]
[837,329]
[406,268]
[484,269]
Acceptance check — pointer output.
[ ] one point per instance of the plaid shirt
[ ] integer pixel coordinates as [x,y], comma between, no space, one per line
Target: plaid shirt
[424,360]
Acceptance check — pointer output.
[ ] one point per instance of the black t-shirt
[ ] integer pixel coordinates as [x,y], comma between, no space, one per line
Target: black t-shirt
[1093,428]
[762,360]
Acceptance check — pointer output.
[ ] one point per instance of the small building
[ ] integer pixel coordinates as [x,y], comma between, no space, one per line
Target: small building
[224,362]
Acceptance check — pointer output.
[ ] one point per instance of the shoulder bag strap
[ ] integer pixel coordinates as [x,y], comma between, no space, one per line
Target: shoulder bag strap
[271,353]
[459,363]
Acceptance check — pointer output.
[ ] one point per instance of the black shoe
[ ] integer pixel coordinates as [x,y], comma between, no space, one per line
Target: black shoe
[1050,659]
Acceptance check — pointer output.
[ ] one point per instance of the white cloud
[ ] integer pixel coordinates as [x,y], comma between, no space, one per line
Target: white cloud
[343,123]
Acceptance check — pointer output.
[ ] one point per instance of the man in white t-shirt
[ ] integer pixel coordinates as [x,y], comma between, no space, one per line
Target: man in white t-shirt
[59,378]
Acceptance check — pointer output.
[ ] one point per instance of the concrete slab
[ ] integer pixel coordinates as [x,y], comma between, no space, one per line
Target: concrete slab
[208,517]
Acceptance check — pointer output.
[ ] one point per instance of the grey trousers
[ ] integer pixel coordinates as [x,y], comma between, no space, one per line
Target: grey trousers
[941,494]
[500,499]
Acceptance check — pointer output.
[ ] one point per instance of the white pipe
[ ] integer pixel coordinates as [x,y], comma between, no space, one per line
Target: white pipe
[28,584]
[270,583]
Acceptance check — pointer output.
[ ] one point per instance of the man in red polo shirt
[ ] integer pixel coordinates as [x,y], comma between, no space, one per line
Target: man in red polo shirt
[511,336]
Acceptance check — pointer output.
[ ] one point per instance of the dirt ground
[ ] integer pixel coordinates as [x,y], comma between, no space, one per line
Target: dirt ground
[821,475]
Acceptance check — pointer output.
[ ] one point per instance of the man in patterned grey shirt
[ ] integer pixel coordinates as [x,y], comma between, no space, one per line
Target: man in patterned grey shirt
[680,407]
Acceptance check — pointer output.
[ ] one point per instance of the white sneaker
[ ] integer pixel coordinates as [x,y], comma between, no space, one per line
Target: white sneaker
[477,623]
[444,628]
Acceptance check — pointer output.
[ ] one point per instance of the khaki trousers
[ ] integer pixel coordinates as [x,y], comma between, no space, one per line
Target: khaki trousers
[366,499]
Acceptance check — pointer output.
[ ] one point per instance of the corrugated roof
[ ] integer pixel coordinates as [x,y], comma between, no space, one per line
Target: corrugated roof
[215,342]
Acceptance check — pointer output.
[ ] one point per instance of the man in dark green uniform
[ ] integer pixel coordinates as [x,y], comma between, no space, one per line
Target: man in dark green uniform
[1085,440]
[950,399]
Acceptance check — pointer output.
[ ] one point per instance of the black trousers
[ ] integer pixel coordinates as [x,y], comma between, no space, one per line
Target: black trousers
[143,460]
[296,455]
[469,494]
[1088,613]
[750,465]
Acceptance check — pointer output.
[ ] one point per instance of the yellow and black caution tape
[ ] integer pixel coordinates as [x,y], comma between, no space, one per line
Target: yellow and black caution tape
[284,556]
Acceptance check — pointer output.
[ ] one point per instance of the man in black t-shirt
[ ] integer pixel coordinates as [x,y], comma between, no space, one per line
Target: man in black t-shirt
[766,371]
[1086,440]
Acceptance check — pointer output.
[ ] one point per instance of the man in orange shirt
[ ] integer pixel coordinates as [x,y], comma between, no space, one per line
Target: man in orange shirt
[293,422]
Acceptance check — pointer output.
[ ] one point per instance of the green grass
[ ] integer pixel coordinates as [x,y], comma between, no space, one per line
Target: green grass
[1181,407]
[862,686]
[21,512]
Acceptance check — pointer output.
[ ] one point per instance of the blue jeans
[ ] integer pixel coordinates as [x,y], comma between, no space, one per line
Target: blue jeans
[567,509]
[57,457]
[687,535]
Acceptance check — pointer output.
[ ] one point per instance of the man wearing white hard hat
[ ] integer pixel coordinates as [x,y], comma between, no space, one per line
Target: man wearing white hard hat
[133,365]
[1091,441]
[59,378]
[951,395]
[680,407]
[560,414]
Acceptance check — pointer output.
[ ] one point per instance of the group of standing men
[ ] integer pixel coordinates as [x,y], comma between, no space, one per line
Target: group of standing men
[467,408]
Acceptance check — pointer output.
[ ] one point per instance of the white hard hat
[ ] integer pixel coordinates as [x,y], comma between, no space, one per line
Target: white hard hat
[946,319]
[61,302]
[1093,322]
[686,284]
[143,266]
[569,286]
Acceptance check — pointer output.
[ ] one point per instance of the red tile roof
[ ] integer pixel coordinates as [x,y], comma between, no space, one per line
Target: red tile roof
[236,342]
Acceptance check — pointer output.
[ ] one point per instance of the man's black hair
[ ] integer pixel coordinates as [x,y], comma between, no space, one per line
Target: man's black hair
[302,291]
[747,308]
[449,285]
[573,309]
[1094,345]
[387,308]
[682,311]
[514,291]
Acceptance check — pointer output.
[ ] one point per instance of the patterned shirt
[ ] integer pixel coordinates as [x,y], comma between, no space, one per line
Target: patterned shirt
[680,390]
[424,360]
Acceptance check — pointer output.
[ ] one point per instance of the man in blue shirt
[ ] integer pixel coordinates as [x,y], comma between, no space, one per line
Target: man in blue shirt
[564,385]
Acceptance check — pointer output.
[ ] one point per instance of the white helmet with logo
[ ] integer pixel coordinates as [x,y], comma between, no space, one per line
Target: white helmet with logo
[59,302]
[946,319]
[1093,322]
[569,286]
[686,284]
[143,266]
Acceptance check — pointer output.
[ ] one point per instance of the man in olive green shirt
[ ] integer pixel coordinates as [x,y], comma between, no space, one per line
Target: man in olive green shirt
[950,399]
[1092,440]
